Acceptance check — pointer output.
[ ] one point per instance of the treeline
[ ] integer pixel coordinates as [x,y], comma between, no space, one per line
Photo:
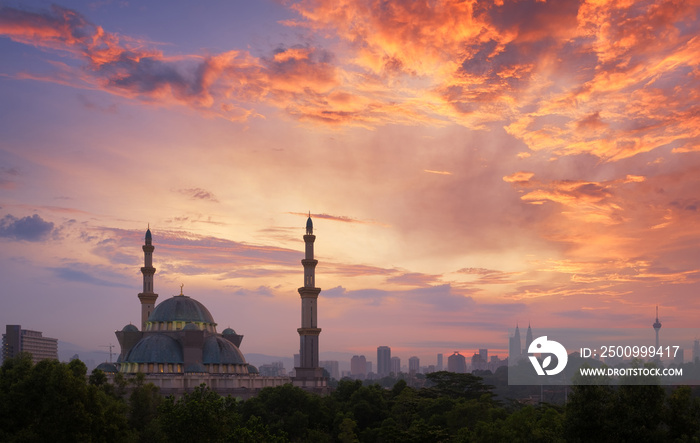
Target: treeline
[53,401]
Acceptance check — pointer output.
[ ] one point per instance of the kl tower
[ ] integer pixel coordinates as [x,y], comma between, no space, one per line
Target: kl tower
[657,326]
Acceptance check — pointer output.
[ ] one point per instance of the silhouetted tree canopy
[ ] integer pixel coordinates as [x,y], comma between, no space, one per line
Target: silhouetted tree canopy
[59,402]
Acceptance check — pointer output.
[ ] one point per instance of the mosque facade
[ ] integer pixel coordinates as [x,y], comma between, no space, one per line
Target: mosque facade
[177,346]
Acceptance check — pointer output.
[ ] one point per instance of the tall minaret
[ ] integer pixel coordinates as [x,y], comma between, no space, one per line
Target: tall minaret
[657,326]
[147,297]
[309,369]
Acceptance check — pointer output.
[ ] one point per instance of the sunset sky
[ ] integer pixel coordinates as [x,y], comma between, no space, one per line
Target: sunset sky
[468,165]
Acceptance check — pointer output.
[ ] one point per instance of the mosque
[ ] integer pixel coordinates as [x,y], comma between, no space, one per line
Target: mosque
[178,346]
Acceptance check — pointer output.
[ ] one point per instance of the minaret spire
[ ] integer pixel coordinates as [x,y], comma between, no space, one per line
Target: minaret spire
[147,297]
[309,374]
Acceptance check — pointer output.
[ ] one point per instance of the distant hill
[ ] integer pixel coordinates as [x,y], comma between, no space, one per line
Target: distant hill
[91,358]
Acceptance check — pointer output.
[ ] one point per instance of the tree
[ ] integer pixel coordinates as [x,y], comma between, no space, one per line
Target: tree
[682,415]
[456,385]
[202,415]
[52,401]
[589,414]
[143,408]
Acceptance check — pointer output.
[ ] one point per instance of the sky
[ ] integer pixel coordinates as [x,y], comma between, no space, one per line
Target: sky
[469,166]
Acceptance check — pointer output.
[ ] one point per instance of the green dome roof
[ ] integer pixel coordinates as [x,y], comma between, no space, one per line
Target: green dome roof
[157,348]
[218,350]
[228,331]
[107,367]
[130,328]
[181,308]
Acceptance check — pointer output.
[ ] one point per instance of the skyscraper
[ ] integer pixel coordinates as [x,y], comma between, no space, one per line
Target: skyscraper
[395,365]
[333,368]
[413,365]
[514,347]
[457,363]
[528,338]
[358,366]
[383,361]
[439,366]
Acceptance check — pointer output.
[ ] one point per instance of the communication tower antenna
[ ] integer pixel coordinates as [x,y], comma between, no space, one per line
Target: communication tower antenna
[110,346]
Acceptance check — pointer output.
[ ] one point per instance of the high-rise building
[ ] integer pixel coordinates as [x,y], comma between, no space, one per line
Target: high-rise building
[678,358]
[439,366]
[413,365]
[484,354]
[332,367]
[358,366]
[383,361]
[457,363]
[274,369]
[368,367]
[309,373]
[395,365]
[514,347]
[528,338]
[478,360]
[696,351]
[16,340]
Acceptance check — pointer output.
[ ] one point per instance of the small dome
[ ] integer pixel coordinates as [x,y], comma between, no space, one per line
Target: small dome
[218,350]
[252,370]
[228,331]
[107,367]
[190,327]
[130,328]
[157,348]
[181,308]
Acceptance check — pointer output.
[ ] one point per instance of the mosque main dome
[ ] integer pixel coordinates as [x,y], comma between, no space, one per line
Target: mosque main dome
[177,311]
[180,336]
[177,336]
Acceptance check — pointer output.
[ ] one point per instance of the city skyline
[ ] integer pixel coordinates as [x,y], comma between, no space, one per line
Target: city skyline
[468,166]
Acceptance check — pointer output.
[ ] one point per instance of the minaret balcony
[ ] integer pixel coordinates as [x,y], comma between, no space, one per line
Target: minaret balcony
[309,331]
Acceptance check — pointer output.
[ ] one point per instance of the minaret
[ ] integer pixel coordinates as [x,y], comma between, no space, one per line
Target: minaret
[657,326]
[309,369]
[147,297]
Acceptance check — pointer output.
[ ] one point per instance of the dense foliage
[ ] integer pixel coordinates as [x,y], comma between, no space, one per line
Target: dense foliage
[53,401]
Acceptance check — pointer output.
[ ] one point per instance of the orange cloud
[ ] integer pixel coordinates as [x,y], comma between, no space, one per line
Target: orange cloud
[611,79]
[520,176]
